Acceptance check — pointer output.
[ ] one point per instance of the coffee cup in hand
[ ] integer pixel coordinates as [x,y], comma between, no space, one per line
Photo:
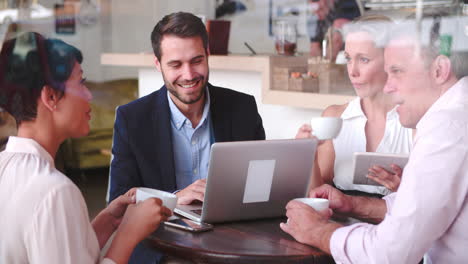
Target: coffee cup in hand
[169,199]
[326,127]
[319,204]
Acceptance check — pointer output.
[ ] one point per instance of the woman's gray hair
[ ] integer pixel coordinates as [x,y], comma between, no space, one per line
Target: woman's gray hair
[378,27]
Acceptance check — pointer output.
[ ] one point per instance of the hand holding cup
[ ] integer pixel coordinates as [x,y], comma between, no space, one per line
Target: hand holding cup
[168,199]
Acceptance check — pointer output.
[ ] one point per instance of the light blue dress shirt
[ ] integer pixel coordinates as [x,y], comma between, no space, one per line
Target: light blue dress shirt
[191,146]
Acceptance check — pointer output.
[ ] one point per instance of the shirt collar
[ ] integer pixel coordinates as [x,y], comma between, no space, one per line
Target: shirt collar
[393,114]
[354,109]
[444,100]
[178,119]
[29,146]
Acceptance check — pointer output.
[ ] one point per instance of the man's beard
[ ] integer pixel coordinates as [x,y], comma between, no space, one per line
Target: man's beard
[171,88]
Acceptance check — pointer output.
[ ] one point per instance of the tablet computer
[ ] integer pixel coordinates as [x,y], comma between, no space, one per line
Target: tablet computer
[362,161]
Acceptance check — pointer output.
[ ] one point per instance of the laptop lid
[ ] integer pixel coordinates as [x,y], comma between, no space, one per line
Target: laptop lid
[254,179]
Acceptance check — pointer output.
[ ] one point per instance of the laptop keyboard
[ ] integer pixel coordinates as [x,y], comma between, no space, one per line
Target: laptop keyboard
[197,211]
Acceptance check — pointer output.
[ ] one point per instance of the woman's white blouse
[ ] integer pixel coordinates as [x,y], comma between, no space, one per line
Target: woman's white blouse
[352,138]
[44,218]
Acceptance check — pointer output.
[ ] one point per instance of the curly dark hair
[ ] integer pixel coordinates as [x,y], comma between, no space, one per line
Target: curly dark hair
[28,62]
[181,24]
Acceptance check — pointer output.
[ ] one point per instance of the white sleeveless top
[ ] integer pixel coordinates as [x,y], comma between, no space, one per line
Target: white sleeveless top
[352,138]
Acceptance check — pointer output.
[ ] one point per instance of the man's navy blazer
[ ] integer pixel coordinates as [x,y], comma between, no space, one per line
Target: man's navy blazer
[142,145]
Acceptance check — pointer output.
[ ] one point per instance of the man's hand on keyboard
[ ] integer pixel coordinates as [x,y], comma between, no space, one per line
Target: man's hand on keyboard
[195,191]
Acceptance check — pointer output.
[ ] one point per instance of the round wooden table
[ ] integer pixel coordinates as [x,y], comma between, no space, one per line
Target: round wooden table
[259,241]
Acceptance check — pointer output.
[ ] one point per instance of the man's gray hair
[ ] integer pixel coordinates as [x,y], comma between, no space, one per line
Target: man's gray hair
[428,50]
[377,26]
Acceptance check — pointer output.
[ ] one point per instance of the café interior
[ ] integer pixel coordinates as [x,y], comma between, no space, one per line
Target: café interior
[259,47]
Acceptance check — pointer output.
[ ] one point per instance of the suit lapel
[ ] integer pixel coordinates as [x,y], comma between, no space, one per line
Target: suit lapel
[219,116]
[163,139]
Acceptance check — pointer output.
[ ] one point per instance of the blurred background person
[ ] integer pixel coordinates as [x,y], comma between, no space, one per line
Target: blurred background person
[325,15]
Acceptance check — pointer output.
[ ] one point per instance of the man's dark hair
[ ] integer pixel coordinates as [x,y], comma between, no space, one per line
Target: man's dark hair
[29,62]
[181,24]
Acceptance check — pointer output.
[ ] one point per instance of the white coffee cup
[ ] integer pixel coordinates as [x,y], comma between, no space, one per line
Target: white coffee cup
[169,199]
[326,127]
[319,204]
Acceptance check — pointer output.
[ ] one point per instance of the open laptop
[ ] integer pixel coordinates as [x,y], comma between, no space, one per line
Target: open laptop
[253,179]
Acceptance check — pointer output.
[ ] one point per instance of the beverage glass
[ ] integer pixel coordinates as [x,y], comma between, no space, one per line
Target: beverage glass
[285,37]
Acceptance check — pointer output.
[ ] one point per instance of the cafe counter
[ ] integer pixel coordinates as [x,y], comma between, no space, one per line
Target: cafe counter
[278,80]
